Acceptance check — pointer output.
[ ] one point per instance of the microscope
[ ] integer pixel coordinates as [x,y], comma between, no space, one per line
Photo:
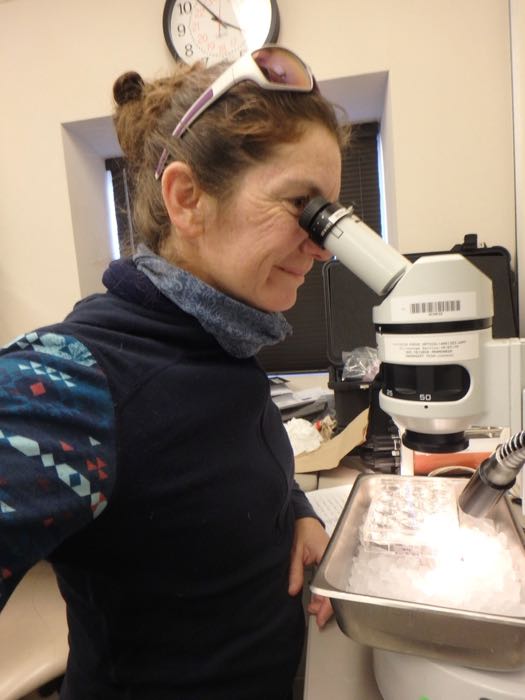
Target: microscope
[442,373]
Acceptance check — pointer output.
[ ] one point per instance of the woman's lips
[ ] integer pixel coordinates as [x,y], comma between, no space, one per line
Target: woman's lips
[294,272]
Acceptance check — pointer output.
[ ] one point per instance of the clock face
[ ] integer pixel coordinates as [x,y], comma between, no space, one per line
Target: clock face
[218,30]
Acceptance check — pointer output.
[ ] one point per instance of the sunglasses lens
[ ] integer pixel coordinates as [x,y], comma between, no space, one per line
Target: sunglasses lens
[282,67]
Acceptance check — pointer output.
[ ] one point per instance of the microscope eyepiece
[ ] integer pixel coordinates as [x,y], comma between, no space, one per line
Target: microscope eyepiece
[311,210]
[318,218]
[337,229]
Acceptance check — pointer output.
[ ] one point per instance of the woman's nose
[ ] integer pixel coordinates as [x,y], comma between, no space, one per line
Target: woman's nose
[310,248]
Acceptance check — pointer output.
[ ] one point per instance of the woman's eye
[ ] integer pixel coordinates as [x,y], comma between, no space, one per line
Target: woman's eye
[299,203]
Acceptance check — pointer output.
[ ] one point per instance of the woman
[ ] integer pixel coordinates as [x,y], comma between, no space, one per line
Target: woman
[140,451]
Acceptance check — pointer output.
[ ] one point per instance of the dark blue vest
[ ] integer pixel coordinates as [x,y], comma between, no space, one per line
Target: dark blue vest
[179,589]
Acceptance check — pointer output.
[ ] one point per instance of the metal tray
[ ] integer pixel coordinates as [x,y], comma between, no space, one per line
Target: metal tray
[469,638]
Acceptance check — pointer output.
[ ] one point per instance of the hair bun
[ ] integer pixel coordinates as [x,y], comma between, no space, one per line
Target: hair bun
[128,88]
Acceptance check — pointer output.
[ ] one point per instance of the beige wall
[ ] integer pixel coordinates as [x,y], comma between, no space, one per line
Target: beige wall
[518,93]
[446,123]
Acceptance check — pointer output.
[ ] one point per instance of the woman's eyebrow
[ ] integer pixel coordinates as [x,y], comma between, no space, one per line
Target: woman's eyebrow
[303,184]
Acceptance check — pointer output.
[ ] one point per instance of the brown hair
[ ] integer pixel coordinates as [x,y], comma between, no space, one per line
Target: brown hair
[238,130]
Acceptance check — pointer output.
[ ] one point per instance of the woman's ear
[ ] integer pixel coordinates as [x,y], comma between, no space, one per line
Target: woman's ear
[182,195]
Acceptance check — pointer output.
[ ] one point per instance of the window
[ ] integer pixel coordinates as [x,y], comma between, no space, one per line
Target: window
[123,196]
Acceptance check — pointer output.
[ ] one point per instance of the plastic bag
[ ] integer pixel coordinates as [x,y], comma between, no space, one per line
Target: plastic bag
[304,437]
[360,364]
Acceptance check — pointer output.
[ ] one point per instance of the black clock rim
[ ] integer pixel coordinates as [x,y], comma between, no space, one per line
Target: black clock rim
[273,32]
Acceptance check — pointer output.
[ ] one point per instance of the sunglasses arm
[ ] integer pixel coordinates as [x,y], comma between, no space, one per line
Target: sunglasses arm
[239,71]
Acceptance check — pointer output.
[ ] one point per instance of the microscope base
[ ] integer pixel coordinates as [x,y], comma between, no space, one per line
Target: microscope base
[405,677]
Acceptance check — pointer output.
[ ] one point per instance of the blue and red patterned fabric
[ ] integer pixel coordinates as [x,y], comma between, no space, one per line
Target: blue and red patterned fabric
[56,448]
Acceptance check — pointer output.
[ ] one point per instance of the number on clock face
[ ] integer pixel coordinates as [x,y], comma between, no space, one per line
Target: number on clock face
[206,30]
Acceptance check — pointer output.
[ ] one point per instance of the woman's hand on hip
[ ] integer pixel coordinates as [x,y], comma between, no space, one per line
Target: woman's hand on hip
[310,541]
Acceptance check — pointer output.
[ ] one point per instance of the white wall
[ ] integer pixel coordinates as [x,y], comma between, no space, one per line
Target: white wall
[446,124]
[449,110]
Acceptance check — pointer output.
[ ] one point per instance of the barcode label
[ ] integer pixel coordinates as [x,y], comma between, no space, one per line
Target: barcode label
[435,307]
[441,307]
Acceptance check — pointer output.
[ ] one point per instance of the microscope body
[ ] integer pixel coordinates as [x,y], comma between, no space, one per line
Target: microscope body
[442,370]
[432,330]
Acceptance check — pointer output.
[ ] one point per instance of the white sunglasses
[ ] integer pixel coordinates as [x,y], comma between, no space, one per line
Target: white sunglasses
[270,67]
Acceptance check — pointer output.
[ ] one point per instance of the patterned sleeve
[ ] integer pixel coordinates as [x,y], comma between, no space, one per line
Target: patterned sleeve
[57,454]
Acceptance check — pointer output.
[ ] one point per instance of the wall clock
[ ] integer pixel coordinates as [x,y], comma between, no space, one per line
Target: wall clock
[218,30]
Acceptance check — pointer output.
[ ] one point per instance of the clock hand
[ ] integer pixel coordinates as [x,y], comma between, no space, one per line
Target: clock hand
[216,18]
[213,15]
[225,23]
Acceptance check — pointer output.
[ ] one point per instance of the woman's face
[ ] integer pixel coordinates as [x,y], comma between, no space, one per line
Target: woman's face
[254,249]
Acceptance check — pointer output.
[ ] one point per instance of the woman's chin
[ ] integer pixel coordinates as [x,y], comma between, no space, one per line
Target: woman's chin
[282,303]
